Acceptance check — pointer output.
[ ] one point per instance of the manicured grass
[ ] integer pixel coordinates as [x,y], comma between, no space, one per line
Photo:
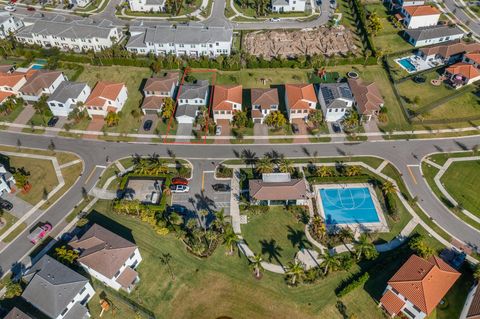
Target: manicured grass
[12,116]
[224,286]
[9,221]
[463,106]
[34,131]
[277,235]
[133,78]
[39,120]
[70,175]
[64,158]
[395,226]
[461,181]
[442,158]
[164,127]
[80,125]
[112,170]
[252,78]
[15,233]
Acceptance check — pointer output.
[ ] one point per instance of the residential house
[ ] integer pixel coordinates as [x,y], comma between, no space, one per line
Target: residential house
[300,99]
[227,99]
[66,97]
[432,35]
[42,82]
[147,5]
[16,313]
[472,58]
[80,3]
[9,24]
[263,101]
[398,4]
[368,99]
[108,257]
[471,309]
[76,35]
[106,97]
[158,88]
[335,99]
[448,53]
[56,290]
[190,99]
[278,189]
[192,39]
[7,181]
[418,286]
[414,17]
[461,74]
[288,5]
[12,82]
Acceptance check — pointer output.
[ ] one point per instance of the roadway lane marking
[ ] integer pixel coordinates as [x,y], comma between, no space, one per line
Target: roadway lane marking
[91,174]
[203,181]
[413,165]
[100,166]
[411,174]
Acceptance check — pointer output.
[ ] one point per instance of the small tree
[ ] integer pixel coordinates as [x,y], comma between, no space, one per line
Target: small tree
[240,119]
[374,24]
[256,264]
[66,255]
[112,119]
[13,289]
[51,146]
[230,239]
[420,246]
[294,272]
[316,118]
[168,108]
[276,120]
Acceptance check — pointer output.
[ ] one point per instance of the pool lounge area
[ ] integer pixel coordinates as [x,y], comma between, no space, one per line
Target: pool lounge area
[350,205]
[415,63]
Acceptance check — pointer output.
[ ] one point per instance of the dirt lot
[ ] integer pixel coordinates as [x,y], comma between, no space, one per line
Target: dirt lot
[323,41]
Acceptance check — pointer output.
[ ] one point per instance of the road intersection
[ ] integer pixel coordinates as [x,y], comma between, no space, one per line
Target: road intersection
[405,155]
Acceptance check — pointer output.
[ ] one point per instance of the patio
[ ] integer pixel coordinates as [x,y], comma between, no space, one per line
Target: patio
[414,63]
[147,191]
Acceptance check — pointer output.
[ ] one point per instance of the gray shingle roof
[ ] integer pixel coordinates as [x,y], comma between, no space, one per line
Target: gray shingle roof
[67,90]
[426,33]
[67,29]
[16,313]
[4,16]
[77,311]
[279,2]
[194,91]
[187,110]
[51,286]
[192,33]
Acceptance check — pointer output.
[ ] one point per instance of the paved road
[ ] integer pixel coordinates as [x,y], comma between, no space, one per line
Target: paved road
[462,16]
[400,153]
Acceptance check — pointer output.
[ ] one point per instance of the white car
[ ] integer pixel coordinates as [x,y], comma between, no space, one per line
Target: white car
[218,130]
[10,8]
[179,188]
[275,20]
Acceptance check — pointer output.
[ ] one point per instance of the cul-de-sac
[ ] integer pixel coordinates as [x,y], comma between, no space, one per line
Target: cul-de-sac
[239,159]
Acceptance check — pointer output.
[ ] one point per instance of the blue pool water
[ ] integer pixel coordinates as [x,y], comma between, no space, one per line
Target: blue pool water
[405,62]
[36,67]
[348,206]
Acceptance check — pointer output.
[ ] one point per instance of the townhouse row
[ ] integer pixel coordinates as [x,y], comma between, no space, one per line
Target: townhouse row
[334,99]
[59,292]
[191,39]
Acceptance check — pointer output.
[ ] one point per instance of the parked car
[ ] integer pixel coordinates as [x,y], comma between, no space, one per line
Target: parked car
[295,128]
[31,9]
[179,188]
[218,130]
[147,125]
[39,233]
[5,204]
[221,187]
[275,20]
[52,121]
[336,128]
[179,181]
[10,8]
[70,6]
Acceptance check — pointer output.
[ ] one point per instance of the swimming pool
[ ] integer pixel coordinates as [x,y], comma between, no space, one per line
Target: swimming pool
[407,64]
[348,205]
[36,67]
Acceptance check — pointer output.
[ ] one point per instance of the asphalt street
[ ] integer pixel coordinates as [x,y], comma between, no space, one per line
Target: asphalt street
[405,155]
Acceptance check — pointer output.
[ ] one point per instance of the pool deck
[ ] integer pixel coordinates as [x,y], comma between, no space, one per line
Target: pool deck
[381,226]
[419,63]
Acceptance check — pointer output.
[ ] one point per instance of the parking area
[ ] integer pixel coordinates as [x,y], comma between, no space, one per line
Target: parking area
[148,117]
[147,191]
[20,207]
[95,125]
[184,129]
[226,131]
[301,129]
[260,130]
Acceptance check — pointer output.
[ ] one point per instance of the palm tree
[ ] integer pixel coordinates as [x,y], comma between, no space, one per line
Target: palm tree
[329,263]
[286,166]
[363,247]
[230,239]
[318,227]
[203,213]
[294,272]
[211,236]
[220,222]
[388,187]
[256,264]
[264,165]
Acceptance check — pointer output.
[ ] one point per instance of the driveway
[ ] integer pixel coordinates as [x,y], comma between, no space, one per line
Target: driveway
[372,127]
[20,207]
[151,117]
[260,130]
[23,118]
[95,125]
[62,120]
[302,130]
[331,131]
[184,129]
[226,131]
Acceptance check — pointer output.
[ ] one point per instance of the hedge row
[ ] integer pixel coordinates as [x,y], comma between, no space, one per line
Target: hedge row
[362,19]
[360,281]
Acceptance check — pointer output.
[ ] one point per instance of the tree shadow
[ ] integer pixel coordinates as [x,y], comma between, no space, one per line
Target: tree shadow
[272,249]
[297,238]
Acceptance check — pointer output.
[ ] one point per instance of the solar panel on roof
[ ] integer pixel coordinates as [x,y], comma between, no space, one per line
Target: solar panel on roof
[346,93]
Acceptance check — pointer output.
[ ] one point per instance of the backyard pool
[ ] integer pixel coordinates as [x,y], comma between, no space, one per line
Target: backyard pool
[348,205]
[407,64]
[36,66]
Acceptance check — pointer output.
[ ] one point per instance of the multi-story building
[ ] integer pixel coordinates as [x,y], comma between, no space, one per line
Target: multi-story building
[147,5]
[9,24]
[414,17]
[108,257]
[7,181]
[75,35]
[66,97]
[190,99]
[336,100]
[264,101]
[227,99]
[42,82]
[432,35]
[368,99]
[192,39]
[156,89]
[106,97]
[288,5]
[300,100]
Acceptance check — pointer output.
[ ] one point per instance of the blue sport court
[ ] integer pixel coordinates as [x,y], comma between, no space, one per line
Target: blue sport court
[348,206]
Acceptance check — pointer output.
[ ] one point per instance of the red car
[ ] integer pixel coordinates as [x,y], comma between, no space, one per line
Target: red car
[179,181]
[30,9]
[39,233]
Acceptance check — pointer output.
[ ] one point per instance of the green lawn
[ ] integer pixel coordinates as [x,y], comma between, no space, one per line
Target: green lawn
[277,235]
[9,221]
[463,106]
[223,285]
[112,170]
[70,175]
[252,78]
[12,116]
[461,181]
[132,77]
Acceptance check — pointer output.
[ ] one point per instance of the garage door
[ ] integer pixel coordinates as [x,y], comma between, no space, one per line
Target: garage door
[185,120]
[258,121]
[153,112]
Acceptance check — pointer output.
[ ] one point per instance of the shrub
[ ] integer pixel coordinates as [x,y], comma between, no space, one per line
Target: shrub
[360,281]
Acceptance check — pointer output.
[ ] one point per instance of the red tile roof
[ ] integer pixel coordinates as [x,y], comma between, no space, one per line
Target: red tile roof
[424,282]
[264,97]
[162,84]
[299,95]
[464,69]
[9,79]
[152,102]
[367,96]
[392,303]
[452,48]
[4,95]
[416,11]
[224,95]
[475,57]
[474,309]
[104,91]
